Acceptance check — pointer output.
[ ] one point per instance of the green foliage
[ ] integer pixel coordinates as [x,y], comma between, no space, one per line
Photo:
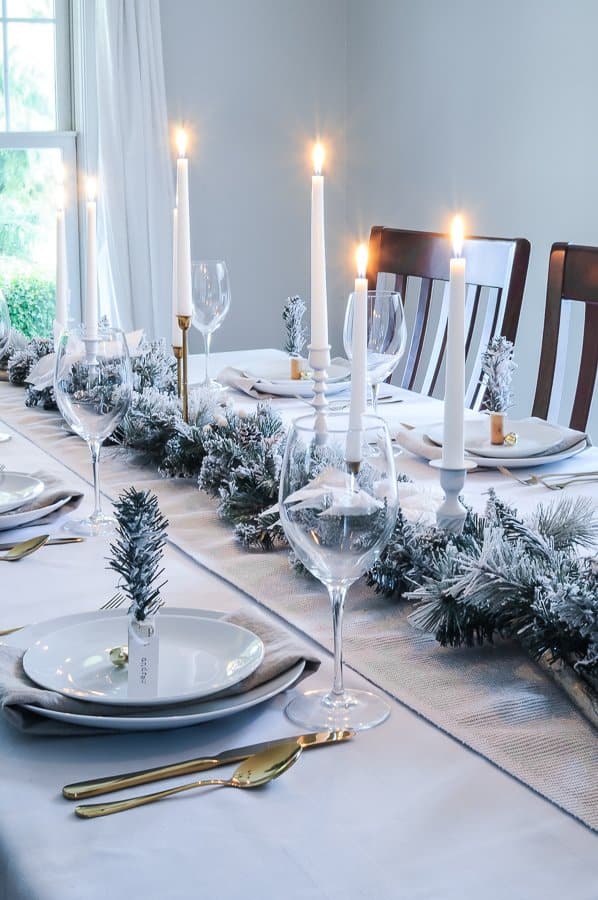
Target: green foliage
[31,304]
[138,550]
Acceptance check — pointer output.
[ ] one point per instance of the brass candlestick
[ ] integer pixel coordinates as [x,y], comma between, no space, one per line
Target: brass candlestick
[178,352]
[185,325]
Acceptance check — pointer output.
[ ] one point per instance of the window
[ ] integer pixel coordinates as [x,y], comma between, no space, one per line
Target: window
[37,154]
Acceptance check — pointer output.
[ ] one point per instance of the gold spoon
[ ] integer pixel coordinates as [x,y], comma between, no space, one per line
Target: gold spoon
[24,548]
[253,772]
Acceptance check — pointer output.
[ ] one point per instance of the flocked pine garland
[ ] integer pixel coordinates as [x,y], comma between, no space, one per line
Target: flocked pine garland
[503,576]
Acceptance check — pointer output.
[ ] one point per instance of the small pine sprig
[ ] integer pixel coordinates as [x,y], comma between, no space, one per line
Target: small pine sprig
[137,552]
[497,374]
[292,316]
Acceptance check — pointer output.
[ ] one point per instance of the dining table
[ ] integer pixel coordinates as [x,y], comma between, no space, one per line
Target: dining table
[414,809]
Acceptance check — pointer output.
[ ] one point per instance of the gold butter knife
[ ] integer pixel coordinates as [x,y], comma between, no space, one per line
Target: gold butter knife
[83,789]
[52,542]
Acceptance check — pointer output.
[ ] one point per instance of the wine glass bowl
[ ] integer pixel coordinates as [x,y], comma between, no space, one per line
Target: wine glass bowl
[211,302]
[386,335]
[338,516]
[93,385]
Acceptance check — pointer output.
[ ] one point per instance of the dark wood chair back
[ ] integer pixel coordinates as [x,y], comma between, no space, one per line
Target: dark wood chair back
[572,276]
[496,272]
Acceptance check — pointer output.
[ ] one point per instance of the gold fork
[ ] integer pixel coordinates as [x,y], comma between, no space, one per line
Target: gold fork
[566,478]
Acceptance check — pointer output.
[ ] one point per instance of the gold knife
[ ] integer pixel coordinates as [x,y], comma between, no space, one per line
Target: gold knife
[52,542]
[83,789]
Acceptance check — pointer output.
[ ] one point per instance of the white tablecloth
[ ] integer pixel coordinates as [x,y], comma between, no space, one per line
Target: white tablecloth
[401,812]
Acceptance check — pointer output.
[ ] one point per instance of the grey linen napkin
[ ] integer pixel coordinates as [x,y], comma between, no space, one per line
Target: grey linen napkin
[54,492]
[243,381]
[281,653]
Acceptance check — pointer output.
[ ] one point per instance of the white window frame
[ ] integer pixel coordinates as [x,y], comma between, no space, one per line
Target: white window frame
[64,140]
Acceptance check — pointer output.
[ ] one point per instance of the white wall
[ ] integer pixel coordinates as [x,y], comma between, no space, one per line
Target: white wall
[256,80]
[485,107]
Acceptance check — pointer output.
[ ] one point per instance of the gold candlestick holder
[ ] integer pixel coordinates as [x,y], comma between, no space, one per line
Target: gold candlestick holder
[185,325]
[178,352]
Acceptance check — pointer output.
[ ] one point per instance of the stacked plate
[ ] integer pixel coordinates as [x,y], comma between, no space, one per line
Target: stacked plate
[203,659]
[273,378]
[538,443]
[18,493]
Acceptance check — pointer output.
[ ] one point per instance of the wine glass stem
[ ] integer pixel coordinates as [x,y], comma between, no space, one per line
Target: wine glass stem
[94,446]
[375,391]
[207,340]
[337,600]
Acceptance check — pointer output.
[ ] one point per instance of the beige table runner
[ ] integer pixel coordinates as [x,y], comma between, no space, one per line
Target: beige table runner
[494,700]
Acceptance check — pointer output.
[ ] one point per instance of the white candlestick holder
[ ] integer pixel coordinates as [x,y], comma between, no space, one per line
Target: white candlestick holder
[450,515]
[319,361]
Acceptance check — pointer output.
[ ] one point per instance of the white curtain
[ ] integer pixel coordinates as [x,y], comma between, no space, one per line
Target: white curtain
[134,166]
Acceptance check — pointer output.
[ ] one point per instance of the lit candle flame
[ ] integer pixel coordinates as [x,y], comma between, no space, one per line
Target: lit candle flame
[362,260]
[181,142]
[457,235]
[318,158]
[91,188]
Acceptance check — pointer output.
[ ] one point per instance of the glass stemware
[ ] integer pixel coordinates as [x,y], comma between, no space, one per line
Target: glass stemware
[338,516]
[387,336]
[211,300]
[92,384]
[4,338]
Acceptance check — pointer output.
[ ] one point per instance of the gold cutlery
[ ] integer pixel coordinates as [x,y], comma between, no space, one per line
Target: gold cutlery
[24,548]
[566,478]
[253,772]
[51,542]
[84,789]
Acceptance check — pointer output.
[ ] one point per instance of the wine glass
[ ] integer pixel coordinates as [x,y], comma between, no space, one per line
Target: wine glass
[4,339]
[211,300]
[386,332]
[338,516]
[92,385]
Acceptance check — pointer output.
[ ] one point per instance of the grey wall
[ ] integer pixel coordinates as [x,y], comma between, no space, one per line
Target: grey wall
[255,80]
[483,107]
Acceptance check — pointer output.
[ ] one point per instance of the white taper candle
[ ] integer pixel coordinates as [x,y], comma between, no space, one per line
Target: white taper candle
[91,292]
[185,303]
[319,309]
[454,394]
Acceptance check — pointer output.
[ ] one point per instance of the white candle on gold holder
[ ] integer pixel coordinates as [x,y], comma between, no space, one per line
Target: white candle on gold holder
[454,394]
[319,310]
[91,290]
[184,297]
[62,280]
[359,359]
[177,334]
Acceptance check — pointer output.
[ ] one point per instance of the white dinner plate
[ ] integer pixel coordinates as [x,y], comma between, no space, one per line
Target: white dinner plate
[198,657]
[165,718]
[533,438]
[274,379]
[17,489]
[16,519]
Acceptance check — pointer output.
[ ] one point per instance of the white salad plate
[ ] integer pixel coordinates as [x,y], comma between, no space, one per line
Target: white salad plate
[17,489]
[16,518]
[167,717]
[533,438]
[274,379]
[198,657]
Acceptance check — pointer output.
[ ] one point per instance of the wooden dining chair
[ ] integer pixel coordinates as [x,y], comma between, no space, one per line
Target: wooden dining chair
[572,278]
[416,263]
